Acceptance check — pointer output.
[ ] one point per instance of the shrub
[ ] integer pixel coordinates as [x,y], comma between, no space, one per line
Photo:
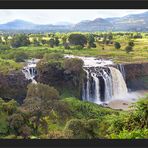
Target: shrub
[73,65]
[77,39]
[117,45]
[131,43]
[4,47]
[128,49]
[77,47]
[66,45]
[83,129]
[20,56]
[53,56]
[20,40]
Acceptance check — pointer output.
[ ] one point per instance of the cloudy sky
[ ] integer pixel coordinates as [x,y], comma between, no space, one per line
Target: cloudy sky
[42,16]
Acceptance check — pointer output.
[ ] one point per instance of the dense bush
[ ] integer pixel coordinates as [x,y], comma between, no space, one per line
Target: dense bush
[132,121]
[77,39]
[82,129]
[117,45]
[128,49]
[20,40]
[87,110]
[73,65]
[4,47]
[20,56]
[7,66]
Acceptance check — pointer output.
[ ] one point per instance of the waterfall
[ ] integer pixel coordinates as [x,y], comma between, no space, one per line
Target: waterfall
[118,83]
[122,70]
[107,79]
[30,70]
[108,85]
[103,82]
[97,88]
[98,85]
[86,90]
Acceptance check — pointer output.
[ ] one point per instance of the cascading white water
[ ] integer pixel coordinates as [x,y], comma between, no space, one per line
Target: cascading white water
[30,70]
[86,93]
[108,85]
[97,88]
[118,84]
[122,70]
[112,84]
[103,81]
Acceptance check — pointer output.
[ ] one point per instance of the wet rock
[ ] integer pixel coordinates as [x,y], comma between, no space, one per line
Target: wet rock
[136,76]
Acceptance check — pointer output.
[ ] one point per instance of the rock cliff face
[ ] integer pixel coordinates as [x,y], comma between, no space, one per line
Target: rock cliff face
[13,86]
[136,76]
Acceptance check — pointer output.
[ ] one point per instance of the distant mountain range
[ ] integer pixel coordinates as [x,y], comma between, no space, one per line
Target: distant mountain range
[132,22]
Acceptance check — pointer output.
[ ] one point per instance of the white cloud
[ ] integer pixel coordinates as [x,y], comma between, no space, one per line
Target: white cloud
[44,16]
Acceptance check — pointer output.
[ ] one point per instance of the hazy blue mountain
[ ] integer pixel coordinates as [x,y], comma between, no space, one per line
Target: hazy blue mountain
[64,23]
[132,22]
[17,25]
[98,24]
[25,25]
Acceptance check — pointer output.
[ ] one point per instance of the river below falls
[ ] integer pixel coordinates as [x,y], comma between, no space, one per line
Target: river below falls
[126,102]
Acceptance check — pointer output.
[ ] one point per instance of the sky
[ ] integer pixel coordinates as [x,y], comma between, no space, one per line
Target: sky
[54,16]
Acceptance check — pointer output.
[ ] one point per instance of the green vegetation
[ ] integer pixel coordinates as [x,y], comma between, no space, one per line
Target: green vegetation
[115,46]
[7,66]
[65,75]
[69,118]
[52,108]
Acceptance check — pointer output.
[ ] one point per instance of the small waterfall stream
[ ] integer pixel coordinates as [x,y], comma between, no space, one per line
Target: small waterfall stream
[122,70]
[30,70]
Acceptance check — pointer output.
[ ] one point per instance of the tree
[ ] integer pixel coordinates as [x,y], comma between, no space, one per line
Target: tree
[40,101]
[4,47]
[117,45]
[64,39]
[53,56]
[83,129]
[25,131]
[66,45]
[128,49]
[57,41]
[16,121]
[51,43]
[130,125]
[20,40]
[10,107]
[110,36]
[73,65]
[77,39]
[20,56]
[43,41]
[91,41]
[131,43]
[1,41]
[36,42]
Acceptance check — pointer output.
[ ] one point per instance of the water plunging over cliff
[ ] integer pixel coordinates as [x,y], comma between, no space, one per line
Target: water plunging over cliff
[122,70]
[119,87]
[103,82]
[30,70]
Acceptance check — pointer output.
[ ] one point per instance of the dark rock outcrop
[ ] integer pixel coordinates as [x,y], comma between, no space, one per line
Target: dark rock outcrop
[136,76]
[13,86]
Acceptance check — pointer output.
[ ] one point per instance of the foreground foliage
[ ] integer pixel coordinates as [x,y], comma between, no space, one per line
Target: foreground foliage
[70,118]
